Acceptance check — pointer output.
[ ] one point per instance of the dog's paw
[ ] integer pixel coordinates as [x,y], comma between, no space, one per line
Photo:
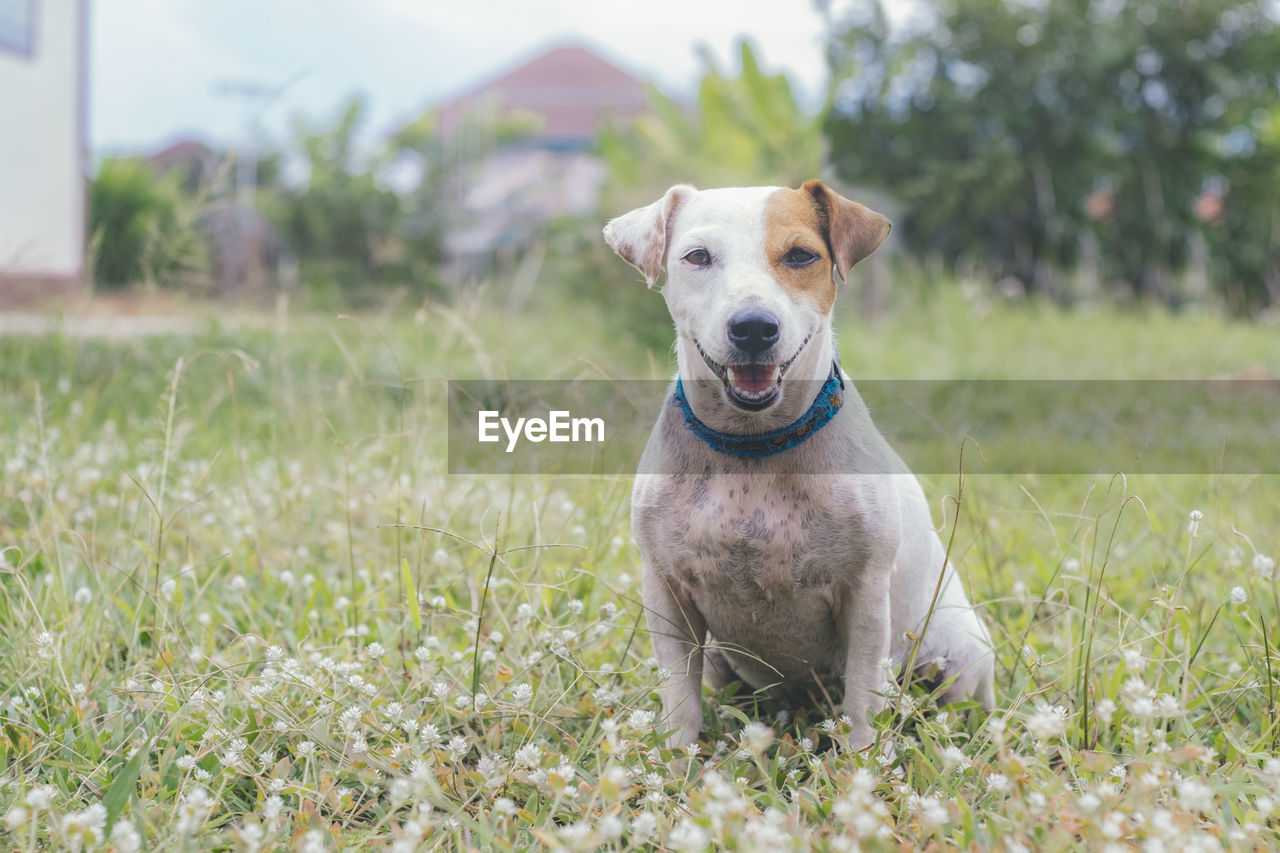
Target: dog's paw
[861,737]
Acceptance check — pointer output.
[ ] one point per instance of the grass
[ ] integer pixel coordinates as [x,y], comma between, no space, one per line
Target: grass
[245,608]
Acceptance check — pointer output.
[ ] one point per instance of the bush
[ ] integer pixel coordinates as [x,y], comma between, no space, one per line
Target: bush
[143,228]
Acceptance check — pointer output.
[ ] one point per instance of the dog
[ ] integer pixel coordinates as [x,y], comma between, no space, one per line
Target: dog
[785,543]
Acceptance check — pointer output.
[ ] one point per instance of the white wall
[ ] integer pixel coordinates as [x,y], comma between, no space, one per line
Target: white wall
[42,149]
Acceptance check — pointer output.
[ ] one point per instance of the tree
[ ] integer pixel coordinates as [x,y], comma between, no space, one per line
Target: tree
[747,129]
[377,214]
[1013,132]
[341,222]
[142,227]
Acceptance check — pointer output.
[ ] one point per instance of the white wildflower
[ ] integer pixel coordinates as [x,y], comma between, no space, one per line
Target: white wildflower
[610,826]
[578,836]
[1138,698]
[1047,722]
[125,837]
[1194,795]
[193,810]
[1264,565]
[932,813]
[86,825]
[529,755]
[953,758]
[643,825]
[688,837]
[757,737]
[41,797]
[314,842]
[996,726]
[640,719]
[250,836]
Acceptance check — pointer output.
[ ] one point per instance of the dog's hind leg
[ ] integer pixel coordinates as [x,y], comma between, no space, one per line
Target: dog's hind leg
[965,671]
[716,667]
[969,681]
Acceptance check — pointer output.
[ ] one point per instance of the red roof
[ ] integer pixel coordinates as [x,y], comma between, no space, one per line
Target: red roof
[571,87]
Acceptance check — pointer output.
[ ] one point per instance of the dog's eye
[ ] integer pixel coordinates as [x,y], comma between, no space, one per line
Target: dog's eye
[800,257]
[698,257]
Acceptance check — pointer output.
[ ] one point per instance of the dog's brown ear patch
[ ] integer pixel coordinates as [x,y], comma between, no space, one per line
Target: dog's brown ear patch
[640,237]
[854,231]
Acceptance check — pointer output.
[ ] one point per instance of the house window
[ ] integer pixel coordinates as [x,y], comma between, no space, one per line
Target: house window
[18,27]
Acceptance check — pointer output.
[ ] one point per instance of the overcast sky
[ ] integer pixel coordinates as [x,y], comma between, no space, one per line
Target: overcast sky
[156,65]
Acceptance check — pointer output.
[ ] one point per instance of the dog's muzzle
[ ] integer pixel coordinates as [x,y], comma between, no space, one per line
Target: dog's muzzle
[752,386]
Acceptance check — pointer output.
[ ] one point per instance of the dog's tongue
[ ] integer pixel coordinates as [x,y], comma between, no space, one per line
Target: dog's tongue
[753,378]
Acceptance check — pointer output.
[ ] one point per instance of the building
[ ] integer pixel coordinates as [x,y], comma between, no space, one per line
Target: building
[43,147]
[569,88]
[563,95]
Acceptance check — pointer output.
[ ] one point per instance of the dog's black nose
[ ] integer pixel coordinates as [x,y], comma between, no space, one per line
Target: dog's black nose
[753,330]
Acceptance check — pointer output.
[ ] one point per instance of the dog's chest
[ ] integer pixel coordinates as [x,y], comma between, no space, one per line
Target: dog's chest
[750,539]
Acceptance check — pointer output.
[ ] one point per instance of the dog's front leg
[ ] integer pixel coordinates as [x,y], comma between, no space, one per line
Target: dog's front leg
[867,635]
[677,629]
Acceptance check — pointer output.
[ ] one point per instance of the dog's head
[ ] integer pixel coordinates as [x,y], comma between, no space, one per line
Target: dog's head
[749,277]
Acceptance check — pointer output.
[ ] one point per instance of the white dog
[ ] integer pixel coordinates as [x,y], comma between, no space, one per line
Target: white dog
[784,541]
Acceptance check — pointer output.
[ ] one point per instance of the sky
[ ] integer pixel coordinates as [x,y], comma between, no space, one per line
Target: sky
[162,70]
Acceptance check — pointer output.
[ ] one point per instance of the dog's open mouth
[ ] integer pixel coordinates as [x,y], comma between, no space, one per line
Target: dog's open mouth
[753,386]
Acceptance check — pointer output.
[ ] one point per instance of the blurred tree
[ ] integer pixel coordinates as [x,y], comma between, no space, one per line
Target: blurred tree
[142,228]
[378,214]
[341,222]
[436,167]
[742,130]
[1014,133]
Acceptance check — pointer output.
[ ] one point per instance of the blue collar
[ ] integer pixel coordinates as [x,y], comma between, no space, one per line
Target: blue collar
[763,444]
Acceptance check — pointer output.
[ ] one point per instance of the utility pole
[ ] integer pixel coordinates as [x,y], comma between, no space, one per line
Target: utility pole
[258,96]
[241,244]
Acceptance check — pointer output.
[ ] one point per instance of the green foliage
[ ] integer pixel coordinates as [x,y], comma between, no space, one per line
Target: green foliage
[143,228]
[742,130]
[351,228]
[343,224]
[1016,133]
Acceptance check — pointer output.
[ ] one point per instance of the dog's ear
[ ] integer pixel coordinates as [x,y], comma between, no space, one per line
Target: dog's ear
[854,231]
[640,237]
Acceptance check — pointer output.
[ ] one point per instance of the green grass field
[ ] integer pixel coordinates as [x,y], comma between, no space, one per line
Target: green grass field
[244,607]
